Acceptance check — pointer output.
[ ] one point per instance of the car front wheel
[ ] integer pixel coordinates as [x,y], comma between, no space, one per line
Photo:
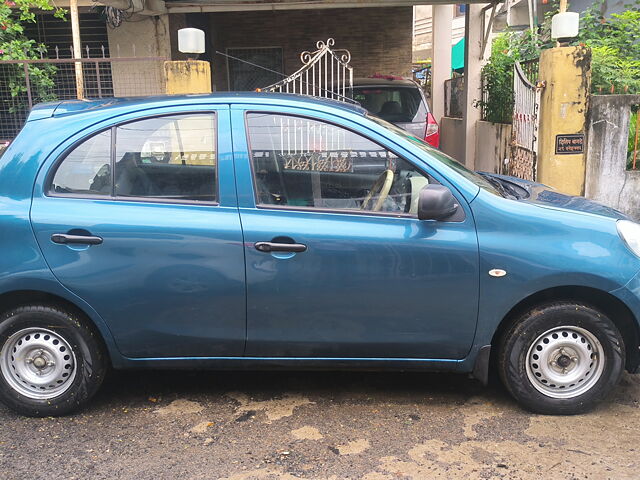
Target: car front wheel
[51,362]
[561,358]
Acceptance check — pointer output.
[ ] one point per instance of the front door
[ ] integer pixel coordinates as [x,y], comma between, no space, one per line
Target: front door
[140,220]
[337,263]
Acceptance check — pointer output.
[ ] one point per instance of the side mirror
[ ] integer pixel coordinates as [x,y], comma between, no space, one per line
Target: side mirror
[436,202]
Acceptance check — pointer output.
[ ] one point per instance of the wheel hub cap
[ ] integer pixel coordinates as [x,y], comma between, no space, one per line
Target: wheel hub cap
[38,363]
[565,362]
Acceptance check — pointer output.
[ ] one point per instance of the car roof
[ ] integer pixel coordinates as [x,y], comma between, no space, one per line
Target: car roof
[384,82]
[71,107]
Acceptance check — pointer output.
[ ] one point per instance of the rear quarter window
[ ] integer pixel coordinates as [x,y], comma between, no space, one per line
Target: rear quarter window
[86,170]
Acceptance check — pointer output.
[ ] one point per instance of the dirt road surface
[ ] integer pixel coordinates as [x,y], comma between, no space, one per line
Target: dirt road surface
[283,425]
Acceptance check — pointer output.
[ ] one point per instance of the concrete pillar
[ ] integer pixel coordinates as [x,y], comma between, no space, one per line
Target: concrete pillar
[441,59]
[187,76]
[143,36]
[563,115]
[472,79]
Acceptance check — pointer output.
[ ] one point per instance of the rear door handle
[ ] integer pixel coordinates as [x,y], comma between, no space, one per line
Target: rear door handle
[280,247]
[65,238]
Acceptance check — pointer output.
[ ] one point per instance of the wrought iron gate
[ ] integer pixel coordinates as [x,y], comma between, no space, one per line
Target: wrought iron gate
[524,142]
[324,73]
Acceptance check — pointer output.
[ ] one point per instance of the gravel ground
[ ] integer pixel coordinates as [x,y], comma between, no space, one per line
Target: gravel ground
[282,425]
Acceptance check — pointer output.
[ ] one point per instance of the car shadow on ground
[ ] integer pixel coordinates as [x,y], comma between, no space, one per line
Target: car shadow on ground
[131,387]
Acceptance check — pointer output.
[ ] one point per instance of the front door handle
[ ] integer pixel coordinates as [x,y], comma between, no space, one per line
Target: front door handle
[280,247]
[66,238]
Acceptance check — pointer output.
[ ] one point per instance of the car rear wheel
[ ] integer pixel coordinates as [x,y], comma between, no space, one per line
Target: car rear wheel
[51,362]
[561,358]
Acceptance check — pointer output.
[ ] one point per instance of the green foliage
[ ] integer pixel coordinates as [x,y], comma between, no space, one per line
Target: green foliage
[615,62]
[634,142]
[497,104]
[507,48]
[14,45]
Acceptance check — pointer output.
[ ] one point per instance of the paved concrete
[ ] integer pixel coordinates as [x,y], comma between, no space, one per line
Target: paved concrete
[266,426]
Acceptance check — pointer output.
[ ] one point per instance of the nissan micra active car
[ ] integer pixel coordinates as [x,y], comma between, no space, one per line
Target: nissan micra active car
[280,231]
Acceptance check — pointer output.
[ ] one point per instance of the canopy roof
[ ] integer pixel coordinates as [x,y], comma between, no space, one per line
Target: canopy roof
[457,55]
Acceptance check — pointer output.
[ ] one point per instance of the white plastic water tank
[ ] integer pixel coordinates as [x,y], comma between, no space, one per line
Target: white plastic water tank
[190,40]
[565,25]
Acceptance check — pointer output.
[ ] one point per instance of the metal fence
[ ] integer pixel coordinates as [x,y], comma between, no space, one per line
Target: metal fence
[496,110]
[531,68]
[24,83]
[454,97]
[252,68]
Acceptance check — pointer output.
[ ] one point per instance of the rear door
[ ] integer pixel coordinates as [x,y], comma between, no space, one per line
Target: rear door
[140,220]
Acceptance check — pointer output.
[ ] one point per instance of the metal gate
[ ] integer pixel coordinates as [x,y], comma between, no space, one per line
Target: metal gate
[324,73]
[524,142]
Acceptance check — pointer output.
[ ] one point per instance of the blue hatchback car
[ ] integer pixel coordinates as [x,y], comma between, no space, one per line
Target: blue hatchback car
[279,231]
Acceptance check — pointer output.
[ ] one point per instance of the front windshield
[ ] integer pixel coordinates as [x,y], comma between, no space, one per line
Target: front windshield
[470,175]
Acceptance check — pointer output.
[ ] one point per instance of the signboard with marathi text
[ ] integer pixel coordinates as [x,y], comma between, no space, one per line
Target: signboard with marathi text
[570,144]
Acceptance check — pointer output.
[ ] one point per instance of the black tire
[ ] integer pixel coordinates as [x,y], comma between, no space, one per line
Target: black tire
[532,327]
[86,347]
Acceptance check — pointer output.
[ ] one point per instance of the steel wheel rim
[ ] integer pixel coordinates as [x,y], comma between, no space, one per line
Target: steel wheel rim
[38,363]
[565,362]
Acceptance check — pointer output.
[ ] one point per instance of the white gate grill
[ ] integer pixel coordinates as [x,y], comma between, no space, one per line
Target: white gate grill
[524,142]
[324,73]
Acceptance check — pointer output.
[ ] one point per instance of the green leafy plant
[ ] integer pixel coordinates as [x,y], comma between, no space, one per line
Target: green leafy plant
[615,61]
[507,48]
[14,45]
[633,147]
[497,102]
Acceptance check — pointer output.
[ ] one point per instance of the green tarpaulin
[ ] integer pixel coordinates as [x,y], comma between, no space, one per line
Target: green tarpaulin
[457,55]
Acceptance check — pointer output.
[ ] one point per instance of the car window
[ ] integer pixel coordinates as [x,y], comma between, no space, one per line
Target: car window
[437,155]
[300,162]
[86,170]
[394,104]
[171,157]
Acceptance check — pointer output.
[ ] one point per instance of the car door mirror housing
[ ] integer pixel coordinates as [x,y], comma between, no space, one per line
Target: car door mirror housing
[436,202]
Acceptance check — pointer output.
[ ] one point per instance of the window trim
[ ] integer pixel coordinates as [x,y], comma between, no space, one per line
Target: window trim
[344,211]
[48,182]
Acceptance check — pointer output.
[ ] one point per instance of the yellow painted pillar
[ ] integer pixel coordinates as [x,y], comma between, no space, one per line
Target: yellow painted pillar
[563,117]
[189,76]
